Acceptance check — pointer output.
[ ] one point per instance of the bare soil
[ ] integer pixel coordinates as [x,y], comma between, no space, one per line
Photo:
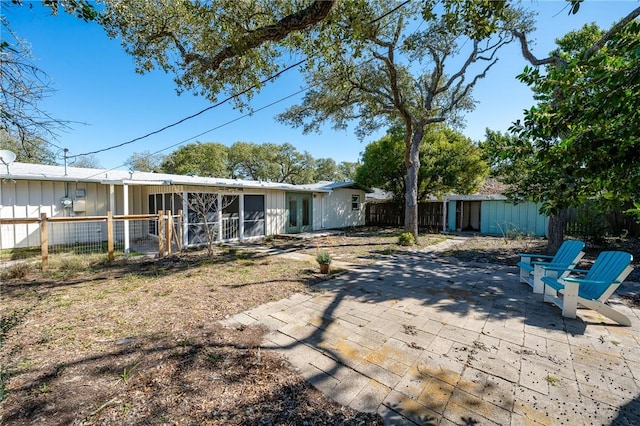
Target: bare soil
[138,341]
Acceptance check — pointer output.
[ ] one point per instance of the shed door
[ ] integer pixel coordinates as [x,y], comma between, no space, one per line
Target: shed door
[468,215]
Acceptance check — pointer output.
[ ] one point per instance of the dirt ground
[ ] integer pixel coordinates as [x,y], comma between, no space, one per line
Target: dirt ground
[137,342]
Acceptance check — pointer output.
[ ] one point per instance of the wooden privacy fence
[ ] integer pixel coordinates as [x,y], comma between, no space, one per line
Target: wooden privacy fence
[168,230]
[390,214]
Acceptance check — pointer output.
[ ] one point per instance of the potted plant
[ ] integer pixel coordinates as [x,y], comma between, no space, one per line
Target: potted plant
[323,257]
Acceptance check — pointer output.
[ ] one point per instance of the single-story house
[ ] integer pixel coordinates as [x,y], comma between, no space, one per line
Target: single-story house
[248,209]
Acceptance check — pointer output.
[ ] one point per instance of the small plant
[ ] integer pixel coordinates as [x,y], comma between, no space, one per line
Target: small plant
[214,357]
[406,239]
[5,375]
[18,271]
[128,372]
[323,257]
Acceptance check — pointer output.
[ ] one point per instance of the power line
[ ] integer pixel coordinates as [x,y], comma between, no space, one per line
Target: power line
[233,96]
[227,99]
[217,127]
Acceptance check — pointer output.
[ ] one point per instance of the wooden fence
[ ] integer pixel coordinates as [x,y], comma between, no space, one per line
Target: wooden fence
[390,214]
[583,222]
[167,233]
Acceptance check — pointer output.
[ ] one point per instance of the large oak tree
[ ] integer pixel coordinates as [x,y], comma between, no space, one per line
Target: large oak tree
[366,60]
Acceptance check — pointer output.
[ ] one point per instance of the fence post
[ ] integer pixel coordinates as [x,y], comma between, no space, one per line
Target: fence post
[161,231]
[168,228]
[110,235]
[44,240]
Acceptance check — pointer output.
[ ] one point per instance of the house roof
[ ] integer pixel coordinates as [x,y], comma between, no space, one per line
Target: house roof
[344,184]
[24,171]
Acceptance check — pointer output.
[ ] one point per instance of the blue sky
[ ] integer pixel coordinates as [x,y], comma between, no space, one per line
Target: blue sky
[108,103]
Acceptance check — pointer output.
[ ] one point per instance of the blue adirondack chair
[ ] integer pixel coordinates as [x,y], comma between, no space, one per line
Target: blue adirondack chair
[531,265]
[593,290]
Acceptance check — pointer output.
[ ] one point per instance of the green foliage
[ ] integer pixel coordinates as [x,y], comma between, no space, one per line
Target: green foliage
[323,257]
[86,161]
[449,163]
[34,150]
[207,159]
[5,375]
[328,170]
[580,142]
[361,66]
[589,224]
[127,372]
[271,162]
[244,160]
[145,161]
[635,210]
[406,239]
[83,9]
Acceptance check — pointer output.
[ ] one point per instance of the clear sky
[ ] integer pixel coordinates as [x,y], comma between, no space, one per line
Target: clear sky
[108,103]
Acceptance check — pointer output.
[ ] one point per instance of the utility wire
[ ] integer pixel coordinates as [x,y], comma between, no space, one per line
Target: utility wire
[233,96]
[227,99]
[215,128]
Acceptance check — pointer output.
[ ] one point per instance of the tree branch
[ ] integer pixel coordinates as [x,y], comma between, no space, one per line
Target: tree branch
[303,19]
[526,52]
[524,46]
[624,21]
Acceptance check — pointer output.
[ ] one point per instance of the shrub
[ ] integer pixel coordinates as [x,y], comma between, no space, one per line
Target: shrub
[17,271]
[406,239]
[323,257]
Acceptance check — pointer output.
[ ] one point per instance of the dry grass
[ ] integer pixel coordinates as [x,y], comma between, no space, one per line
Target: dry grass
[138,342]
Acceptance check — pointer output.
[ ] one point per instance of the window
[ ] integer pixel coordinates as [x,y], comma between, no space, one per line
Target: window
[355,202]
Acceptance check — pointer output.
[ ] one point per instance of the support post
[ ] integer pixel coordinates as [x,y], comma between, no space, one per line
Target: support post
[444,214]
[219,217]
[125,196]
[110,235]
[161,232]
[185,220]
[168,228]
[44,240]
[180,236]
[240,216]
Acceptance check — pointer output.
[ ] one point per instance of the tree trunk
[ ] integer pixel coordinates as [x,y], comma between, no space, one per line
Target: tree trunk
[412,161]
[557,226]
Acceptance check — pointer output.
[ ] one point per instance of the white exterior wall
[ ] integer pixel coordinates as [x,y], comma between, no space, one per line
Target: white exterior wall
[275,211]
[334,210]
[31,198]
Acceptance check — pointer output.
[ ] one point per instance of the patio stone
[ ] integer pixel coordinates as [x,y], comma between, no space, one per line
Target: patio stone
[425,341]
